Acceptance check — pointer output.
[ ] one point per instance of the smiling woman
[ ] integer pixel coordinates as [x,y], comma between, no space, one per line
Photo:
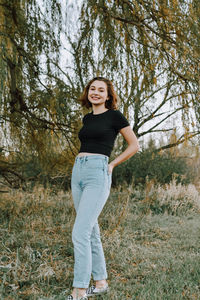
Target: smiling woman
[91,182]
[98,93]
[99,87]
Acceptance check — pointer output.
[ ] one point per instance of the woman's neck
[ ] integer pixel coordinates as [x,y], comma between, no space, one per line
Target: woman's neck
[98,109]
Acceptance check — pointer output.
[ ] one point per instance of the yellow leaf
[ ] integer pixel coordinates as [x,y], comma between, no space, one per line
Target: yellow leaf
[155,80]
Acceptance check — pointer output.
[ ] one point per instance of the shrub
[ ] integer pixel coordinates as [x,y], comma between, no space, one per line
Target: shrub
[159,167]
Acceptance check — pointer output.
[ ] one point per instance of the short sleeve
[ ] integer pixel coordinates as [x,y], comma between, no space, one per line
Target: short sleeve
[119,120]
[85,118]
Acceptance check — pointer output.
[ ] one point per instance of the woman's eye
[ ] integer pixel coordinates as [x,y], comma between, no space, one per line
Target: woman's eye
[93,89]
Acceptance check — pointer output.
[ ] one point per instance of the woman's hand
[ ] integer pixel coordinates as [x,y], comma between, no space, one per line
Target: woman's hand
[110,168]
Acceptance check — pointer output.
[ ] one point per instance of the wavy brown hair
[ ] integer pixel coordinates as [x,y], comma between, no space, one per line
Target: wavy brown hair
[111,103]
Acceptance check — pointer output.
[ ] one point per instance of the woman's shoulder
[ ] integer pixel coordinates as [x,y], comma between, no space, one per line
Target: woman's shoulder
[86,116]
[119,120]
[116,113]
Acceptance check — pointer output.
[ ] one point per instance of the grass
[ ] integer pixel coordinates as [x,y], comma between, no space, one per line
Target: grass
[152,249]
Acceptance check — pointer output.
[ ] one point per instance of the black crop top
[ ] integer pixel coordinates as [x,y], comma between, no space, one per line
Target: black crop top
[99,131]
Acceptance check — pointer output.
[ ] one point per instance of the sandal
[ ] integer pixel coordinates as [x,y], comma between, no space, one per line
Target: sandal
[93,291]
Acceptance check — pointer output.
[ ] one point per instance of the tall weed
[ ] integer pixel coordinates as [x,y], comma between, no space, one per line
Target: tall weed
[173,198]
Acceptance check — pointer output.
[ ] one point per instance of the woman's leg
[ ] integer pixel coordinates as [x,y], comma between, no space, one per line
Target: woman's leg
[91,204]
[90,189]
[98,260]
[76,195]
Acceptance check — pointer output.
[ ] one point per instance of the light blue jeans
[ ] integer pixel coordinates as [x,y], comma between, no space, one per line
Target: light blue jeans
[90,189]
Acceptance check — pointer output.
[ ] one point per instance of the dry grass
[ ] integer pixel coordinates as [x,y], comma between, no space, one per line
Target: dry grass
[172,198]
[151,240]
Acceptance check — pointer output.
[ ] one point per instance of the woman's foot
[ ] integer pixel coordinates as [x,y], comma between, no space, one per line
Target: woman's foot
[99,284]
[100,288]
[77,294]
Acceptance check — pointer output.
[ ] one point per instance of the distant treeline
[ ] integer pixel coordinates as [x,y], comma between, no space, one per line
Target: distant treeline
[148,164]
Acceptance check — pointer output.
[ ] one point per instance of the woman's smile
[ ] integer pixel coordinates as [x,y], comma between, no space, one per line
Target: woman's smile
[98,92]
[95,98]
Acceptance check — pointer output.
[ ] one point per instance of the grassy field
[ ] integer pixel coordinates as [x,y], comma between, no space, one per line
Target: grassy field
[151,240]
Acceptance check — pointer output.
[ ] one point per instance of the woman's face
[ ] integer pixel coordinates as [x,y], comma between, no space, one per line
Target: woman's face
[98,92]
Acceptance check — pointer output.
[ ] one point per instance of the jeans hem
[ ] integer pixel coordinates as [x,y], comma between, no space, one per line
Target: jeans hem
[80,285]
[102,277]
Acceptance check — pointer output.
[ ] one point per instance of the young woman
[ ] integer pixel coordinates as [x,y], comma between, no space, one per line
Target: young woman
[91,181]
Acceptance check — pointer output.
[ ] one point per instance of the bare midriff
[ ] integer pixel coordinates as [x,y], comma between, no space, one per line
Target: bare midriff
[86,154]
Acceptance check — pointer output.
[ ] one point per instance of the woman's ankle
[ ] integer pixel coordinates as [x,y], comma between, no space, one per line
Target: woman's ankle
[78,292]
[100,283]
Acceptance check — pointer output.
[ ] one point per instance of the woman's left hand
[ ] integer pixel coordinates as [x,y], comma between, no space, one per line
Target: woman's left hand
[110,168]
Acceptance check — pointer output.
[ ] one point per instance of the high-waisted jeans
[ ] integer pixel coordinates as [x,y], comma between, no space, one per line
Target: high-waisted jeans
[90,189]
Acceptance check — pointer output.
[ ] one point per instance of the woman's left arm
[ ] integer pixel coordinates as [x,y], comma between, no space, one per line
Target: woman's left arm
[133,147]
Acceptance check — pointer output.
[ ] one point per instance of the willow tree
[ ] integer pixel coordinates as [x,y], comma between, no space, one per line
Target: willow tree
[37,112]
[151,51]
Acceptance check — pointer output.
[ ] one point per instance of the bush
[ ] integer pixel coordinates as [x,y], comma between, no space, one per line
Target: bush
[159,167]
[35,173]
[172,199]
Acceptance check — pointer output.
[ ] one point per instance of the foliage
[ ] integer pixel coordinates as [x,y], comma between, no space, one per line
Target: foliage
[55,170]
[38,109]
[47,56]
[150,164]
[25,171]
[155,46]
[157,256]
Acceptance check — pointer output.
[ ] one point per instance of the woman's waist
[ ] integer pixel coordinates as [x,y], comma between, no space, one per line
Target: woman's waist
[87,156]
[81,154]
